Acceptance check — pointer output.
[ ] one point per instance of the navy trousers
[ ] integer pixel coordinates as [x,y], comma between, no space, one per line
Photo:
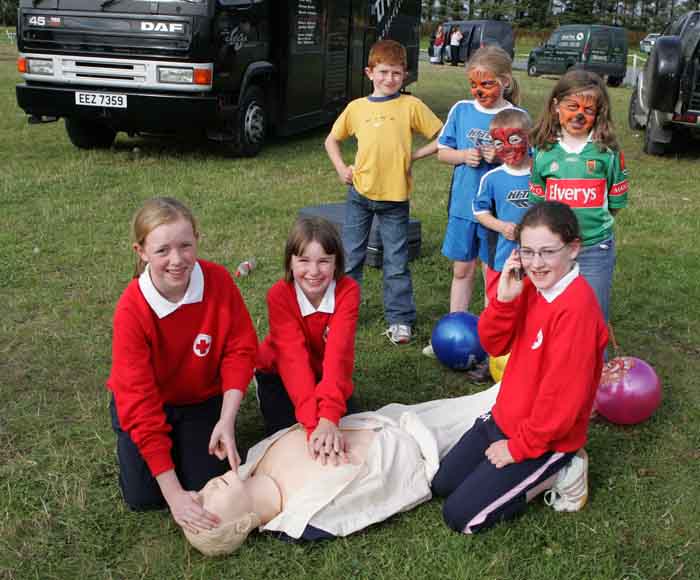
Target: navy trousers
[478,494]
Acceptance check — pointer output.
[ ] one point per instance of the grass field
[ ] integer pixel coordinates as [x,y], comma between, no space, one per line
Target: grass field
[66,258]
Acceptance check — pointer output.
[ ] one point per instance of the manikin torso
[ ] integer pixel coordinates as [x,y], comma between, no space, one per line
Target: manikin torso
[288,462]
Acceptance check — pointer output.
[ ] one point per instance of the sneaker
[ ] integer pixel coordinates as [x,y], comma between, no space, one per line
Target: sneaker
[428,351]
[480,373]
[399,333]
[570,490]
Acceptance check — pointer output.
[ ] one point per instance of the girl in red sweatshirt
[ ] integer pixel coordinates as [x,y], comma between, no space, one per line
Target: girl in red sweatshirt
[547,316]
[183,353]
[305,364]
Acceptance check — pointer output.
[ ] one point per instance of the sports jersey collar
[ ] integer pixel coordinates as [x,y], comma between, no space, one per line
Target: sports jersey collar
[327,303]
[513,171]
[576,150]
[372,99]
[161,305]
[551,294]
[483,109]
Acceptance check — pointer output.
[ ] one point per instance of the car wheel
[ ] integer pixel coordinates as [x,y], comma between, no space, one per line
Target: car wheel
[89,134]
[652,147]
[532,69]
[251,123]
[633,111]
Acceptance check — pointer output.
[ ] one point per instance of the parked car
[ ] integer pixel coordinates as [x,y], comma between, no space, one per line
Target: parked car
[647,43]
[666,96]
[478,33]
[601,49]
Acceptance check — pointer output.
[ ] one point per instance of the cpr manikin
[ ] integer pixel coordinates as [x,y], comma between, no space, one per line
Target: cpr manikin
[393,455]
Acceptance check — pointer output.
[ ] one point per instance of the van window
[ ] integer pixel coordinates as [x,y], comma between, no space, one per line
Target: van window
[475,41]
[600,40]
[572,39]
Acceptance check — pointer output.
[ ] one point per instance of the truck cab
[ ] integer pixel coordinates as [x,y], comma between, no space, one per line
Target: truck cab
[233,71]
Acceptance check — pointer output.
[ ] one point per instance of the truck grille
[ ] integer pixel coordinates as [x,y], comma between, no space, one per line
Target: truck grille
[106,35]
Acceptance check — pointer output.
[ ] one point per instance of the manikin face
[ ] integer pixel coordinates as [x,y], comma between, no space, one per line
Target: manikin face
[577,113]
[552,260]
[227,497]
[485,87]
[510,144]
[171,251]
[387,79]
[313,270]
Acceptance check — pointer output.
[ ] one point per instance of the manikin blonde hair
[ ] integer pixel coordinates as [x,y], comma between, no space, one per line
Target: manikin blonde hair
[226,538]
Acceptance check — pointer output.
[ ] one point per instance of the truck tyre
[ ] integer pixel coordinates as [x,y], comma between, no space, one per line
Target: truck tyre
[532,69]
[652,147]
[633,111]
[89,134]
[252,122]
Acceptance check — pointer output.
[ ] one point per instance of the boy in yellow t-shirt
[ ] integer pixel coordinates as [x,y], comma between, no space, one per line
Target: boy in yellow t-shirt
[380,179]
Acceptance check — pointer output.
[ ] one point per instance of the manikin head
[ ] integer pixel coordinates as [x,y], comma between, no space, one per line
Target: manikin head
[228,498]
[509,132]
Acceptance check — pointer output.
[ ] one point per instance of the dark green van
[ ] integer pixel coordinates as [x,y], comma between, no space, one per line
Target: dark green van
[601,49]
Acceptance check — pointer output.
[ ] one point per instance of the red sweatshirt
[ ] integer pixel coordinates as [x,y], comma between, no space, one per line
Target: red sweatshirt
[198,351]
[314,355]
[556,357]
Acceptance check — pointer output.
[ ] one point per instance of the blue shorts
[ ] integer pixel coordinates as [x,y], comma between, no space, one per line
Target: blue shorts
[461,240]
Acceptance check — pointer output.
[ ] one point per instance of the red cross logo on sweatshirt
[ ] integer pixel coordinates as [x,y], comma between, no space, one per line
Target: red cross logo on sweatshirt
[201,345]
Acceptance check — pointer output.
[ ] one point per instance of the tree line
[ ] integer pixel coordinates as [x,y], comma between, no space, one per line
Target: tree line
[537,15]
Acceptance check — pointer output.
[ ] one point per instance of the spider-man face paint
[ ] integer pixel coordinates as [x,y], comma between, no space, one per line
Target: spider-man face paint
[577,113]
[485,87]
[510,144]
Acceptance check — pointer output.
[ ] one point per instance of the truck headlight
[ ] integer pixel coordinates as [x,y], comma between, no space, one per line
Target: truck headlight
[175,75]
[39,66]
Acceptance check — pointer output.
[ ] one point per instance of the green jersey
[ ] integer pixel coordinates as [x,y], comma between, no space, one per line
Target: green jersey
[591,182]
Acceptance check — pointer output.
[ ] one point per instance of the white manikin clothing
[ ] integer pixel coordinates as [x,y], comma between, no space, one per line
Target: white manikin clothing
[401,462]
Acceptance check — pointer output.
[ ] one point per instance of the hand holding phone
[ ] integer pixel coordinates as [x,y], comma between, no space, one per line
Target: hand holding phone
[510,284]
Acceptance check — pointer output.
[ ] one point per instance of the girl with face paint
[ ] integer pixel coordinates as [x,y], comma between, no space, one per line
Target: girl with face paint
[578,162]
[466,145]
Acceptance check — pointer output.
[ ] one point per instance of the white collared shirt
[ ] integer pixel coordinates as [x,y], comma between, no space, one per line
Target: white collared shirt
[161,305]
[327,303]
[577,149]
[551,294]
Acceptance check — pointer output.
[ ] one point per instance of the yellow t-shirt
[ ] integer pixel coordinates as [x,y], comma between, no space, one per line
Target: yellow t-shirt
[383,128]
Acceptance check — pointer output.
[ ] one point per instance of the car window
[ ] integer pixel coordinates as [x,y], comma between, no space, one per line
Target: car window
[572,38]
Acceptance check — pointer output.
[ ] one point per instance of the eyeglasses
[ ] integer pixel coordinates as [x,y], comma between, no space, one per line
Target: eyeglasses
[546,254]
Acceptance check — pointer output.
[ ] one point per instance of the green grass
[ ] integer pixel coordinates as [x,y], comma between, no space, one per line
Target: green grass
[66,258]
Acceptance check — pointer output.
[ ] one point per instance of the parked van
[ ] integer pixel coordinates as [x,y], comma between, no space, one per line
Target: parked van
[477,33]
[601,49]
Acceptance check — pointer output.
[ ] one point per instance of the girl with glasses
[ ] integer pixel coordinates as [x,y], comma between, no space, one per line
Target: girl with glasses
[546,315]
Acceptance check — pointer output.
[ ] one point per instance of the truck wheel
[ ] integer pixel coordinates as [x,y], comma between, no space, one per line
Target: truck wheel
[89,134]
[652,147]
[252,122]
[633,111]
[532,69]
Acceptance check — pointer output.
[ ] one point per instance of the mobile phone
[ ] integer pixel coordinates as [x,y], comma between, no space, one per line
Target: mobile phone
[518,274]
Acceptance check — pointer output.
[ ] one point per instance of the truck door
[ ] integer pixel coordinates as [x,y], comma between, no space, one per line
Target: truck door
[337,77]
[304,78]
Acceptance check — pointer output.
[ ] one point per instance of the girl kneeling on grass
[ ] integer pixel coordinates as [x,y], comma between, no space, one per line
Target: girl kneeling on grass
[183,352]
[304,367]
[547,316]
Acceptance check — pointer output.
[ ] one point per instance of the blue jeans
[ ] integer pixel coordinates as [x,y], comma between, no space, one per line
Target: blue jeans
[392,216]
[597,264]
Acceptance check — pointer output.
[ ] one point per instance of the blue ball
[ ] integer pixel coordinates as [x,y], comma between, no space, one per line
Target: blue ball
[455,341]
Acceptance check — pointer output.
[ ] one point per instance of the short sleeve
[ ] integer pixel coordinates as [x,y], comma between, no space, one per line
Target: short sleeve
[618,182]
[537,181]
[424,120]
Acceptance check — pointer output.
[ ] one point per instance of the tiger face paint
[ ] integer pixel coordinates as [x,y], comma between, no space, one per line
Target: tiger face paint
[510,144]
[485,87]
[577,113]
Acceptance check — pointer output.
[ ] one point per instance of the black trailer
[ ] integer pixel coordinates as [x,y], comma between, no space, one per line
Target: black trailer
[233,71]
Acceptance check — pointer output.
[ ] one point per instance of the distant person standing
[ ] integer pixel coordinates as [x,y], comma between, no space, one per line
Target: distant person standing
[438,45]
[456,38]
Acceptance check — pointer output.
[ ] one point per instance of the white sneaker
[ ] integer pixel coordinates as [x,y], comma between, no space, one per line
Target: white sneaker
[570,490]
[428,351]
[399,333]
